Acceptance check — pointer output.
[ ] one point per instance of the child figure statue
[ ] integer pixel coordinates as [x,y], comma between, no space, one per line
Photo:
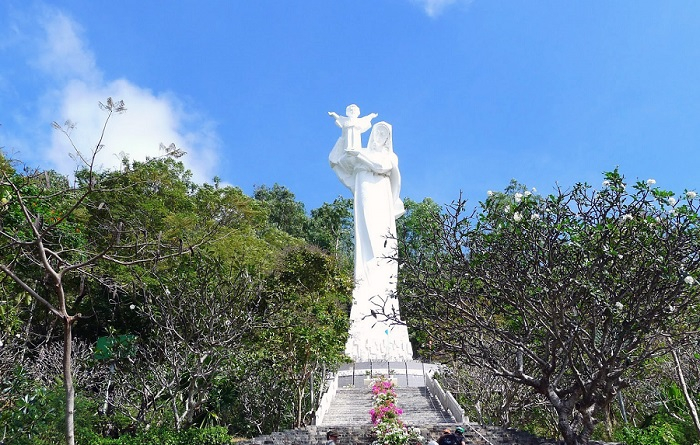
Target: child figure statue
[349,143]
[352,126]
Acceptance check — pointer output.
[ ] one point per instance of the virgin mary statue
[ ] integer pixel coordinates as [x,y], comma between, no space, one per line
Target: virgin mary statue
[372,174]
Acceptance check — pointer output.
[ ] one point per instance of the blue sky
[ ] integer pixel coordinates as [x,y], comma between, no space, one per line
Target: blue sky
[478,92]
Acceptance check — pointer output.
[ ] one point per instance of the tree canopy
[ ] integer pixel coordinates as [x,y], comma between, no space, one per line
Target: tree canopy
[161,293]
[569,294]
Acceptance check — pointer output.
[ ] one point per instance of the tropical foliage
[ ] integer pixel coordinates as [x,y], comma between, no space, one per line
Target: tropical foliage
[139,307]
[572,295]
[135,299]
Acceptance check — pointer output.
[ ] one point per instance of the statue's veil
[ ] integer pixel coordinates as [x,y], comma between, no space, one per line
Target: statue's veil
[395,175]
[374,136]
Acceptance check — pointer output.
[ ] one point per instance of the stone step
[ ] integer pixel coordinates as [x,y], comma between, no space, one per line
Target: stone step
[351,407]
[361,435]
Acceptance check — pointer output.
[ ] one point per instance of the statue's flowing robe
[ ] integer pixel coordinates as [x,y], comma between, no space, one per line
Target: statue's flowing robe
[373,177]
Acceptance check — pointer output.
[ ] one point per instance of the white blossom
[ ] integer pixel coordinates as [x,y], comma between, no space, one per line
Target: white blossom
[490,193]
[527,193]
[626,217]
[691,194]
[671,308]
[651,181]
[518,197]
[619,306]
[1,344]
[517,217]
[672,201]
[535,217]
[132,306]
[689,280]
[534,190]
[606,183]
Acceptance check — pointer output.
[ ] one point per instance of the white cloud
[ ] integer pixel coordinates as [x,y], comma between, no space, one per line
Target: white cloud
[75,87]
[435,7]
[62,52]
[149,121]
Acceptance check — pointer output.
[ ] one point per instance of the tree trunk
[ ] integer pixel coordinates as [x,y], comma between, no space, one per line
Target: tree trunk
[588,424]
[300,406]
[564,425]
[68,379]
[564,412]
[684,387]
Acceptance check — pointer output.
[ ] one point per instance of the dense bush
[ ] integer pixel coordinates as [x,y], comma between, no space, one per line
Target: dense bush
[162,436]
[35,414]
[664,430]
[671,424]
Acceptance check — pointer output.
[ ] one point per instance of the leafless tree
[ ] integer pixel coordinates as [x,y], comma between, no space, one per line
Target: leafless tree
[40,255]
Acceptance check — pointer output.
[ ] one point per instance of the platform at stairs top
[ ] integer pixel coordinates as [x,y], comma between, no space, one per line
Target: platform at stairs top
[351,407]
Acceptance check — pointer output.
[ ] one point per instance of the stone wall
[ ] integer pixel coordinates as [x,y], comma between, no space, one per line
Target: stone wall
[361,435]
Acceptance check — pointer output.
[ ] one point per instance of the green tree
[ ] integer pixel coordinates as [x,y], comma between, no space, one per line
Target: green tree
[569,294]
[190,314]
[416,226]
[285,212]
[195,319]
[331,228]
[47,248]
[415,230]
[305,321]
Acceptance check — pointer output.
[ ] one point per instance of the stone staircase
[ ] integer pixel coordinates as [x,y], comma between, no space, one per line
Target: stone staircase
[351,407]
[348,414]
[361,435]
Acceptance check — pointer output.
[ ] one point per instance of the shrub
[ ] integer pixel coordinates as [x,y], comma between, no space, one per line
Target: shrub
[163,436]
[215,435]
[662,430]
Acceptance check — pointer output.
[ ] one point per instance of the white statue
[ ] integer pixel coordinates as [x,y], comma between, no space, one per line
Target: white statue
[353,126]
[372,174]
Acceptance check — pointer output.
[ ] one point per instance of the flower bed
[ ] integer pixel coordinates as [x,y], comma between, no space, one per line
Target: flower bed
[389,429]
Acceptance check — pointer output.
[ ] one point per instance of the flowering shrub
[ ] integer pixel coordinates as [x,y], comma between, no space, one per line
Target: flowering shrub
[389,429]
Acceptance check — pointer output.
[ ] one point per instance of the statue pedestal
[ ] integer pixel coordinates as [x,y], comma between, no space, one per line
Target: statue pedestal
[373,339]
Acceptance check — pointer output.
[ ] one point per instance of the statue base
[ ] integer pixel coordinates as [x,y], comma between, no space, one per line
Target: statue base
[374,339]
